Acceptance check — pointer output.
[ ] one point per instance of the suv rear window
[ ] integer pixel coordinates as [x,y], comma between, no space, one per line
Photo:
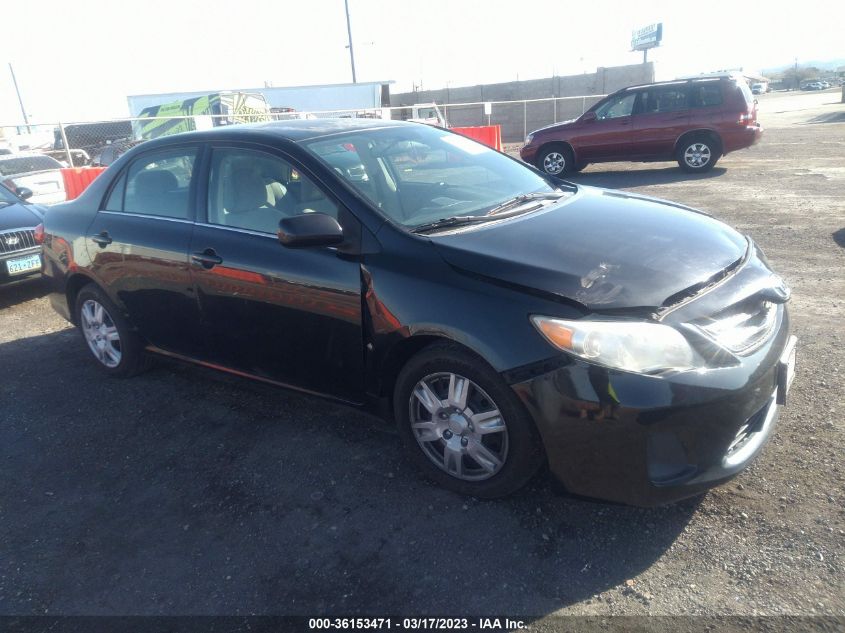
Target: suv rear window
[746,92]
[23,164]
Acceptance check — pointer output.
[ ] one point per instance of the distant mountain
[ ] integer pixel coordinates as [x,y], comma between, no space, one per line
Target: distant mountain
[827,64]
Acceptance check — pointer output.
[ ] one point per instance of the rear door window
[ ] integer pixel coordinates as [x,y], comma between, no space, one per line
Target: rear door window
[158,183]
[659,99]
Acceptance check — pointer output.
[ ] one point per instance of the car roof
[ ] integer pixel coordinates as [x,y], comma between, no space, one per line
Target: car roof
[684,80]
[295,130]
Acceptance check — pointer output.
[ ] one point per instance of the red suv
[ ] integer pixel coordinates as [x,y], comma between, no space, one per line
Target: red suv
[693,121]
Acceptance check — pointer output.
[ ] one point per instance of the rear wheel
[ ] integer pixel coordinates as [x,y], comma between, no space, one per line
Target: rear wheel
[698,154]
[555,160]
[117,349]
[463,426]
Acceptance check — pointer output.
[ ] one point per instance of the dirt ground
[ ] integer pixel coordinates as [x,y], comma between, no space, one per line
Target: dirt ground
[187,492]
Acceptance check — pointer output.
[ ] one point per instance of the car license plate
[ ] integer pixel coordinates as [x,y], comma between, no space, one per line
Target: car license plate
[786,369]
[21,265]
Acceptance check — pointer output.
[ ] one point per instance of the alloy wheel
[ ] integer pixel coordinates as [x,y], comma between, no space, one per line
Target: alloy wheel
[697,155]
[554,163]
[458,426]
[100,333]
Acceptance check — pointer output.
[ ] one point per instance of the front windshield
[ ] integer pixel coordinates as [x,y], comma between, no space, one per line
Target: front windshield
[417,174]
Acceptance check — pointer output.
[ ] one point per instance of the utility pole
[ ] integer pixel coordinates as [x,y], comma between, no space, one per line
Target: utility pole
[349,32]
[20,101]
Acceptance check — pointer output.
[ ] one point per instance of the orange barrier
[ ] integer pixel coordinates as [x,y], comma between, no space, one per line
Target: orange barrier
[490,135]
[78,178]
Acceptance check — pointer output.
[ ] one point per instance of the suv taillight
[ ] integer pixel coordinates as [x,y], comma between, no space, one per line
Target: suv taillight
[746,118]
[39,234]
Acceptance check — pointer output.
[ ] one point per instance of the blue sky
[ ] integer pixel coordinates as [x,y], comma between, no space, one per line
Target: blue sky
[79,60]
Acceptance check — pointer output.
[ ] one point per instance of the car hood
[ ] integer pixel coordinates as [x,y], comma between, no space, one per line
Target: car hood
[555,126]
[20,216]
[606,250]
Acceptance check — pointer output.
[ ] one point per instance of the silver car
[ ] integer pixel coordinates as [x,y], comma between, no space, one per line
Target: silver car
[39,173]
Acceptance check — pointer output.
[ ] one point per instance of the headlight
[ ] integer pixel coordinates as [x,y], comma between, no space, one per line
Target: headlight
[644,348]
[529,138]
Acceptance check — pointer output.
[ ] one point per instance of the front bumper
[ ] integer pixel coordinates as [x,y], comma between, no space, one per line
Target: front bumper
[647,440]
[528,153]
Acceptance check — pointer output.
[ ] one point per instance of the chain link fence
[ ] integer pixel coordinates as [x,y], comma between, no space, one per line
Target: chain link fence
[100,143]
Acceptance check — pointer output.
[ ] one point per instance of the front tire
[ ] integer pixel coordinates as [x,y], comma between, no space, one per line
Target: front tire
[698,154]
[463,426]
[555,160]
[107,335]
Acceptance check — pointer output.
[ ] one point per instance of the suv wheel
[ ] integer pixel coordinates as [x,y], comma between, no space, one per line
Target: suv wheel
[697,154]
[555,160]
[463,426]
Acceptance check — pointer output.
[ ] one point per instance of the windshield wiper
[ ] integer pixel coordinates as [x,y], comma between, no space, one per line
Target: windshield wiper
[499,212]
[455,220]
[523,198]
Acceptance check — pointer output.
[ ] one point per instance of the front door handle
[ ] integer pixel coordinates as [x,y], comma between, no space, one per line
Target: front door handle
[102,238]
[208,258]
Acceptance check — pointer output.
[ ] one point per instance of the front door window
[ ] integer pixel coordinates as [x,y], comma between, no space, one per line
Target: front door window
[617,108]
[253,190]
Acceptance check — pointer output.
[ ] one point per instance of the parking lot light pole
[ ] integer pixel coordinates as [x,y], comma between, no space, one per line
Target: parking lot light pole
[349,33]
[20,100]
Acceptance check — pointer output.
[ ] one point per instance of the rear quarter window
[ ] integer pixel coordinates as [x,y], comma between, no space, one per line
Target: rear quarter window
[706,94]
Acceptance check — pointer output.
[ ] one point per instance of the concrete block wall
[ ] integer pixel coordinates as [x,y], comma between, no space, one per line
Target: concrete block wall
[517,118]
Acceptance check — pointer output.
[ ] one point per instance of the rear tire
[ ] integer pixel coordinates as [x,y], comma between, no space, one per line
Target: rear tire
[107,336]
[463,426]
[698,154]
[555,159]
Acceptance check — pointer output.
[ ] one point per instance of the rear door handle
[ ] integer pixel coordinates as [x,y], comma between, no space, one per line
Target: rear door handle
[208,258]
[102,238]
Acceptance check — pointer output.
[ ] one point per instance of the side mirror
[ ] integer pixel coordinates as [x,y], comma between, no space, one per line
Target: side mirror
[310,229]
[589,115]
[25,193]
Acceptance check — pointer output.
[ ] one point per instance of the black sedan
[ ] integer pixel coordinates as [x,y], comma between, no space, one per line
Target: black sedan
[20,255]
[502,318]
